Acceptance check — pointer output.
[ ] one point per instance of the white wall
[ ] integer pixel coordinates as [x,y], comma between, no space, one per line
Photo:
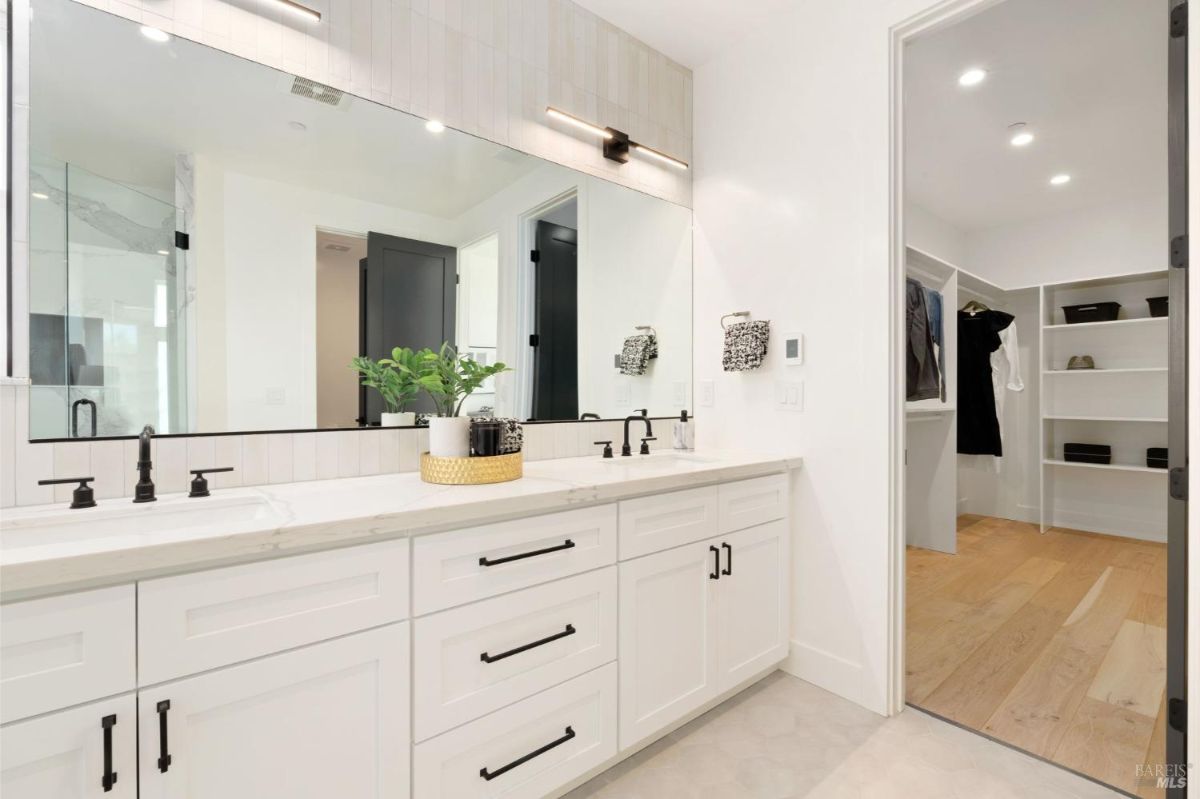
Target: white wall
[791,195]
[337,333]
[1092,242]
[930,233]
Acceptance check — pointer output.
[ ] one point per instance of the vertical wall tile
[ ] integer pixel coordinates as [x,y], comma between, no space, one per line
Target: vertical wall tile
[279,458]
[8,446]
[348,448]
[227,451]
[327,455]
[201,453]
[108,467]
[71,459]
[368,452]
[256,468]
[419,63]
[304,456]
[410,448]
[389,451]
[170,465]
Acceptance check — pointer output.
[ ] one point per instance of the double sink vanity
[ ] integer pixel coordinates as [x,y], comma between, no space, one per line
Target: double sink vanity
[383,637]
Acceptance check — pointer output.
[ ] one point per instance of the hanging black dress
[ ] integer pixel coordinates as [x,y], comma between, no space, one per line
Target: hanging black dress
[978,338]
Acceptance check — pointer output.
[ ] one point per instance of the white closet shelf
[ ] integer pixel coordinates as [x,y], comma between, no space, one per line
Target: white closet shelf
[928,409]
[1115,467]
[1139,369]
[1152,420]
[1148,320]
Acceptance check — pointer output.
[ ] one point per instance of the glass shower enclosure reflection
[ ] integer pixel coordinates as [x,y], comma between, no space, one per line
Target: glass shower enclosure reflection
[108,302]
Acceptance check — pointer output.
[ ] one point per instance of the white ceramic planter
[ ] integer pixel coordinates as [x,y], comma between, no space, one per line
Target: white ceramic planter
[450,436]
[404,419]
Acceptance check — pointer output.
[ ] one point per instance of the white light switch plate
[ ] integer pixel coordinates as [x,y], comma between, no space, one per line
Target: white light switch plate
[789,395]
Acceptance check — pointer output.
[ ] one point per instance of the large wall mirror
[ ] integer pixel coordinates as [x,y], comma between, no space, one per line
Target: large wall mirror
[212,242]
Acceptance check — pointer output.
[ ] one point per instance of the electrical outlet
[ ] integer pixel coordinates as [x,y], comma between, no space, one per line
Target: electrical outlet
[679,395]
[708,393]
[276,396]
[623,393]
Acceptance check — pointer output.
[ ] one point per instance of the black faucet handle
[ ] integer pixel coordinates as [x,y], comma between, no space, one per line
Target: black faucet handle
[82,496]
[646,446]
[200,484]
[608,453]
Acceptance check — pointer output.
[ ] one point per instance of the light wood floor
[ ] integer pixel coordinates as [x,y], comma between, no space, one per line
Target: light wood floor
[1053,643]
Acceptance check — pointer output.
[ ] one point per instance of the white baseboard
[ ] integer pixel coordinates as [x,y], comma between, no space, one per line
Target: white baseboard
[1107,525]
[825,670]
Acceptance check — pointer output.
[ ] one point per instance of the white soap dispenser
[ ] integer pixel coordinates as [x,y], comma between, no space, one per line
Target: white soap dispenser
[683,433]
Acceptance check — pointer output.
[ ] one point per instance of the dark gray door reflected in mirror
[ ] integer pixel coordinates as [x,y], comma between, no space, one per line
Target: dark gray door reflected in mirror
[556,323]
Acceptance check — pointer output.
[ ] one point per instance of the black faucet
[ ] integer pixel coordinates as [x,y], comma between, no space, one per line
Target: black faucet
[144,490]
[626,450]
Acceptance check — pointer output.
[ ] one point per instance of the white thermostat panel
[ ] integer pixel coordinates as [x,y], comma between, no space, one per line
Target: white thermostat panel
[793,349]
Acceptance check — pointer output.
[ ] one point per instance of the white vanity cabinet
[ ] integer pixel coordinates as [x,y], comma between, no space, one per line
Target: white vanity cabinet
[79,753]
[700,619]
[510,659]
[330,719]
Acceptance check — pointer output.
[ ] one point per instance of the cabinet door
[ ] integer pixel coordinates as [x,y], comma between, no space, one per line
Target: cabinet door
[668,651]
[753,602]
[328,720]
[62,755]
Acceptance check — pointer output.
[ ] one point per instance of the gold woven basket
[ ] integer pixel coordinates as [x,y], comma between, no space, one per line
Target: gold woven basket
[471,471]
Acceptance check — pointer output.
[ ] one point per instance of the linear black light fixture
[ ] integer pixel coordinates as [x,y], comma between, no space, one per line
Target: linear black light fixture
[617,144]
[299,10]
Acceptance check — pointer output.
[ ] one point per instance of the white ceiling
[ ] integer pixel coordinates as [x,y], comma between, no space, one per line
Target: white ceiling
[125,117]
[1087,76]
[690,32]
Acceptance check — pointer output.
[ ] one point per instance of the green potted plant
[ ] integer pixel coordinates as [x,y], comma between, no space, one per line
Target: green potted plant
[449,378]
[392,378]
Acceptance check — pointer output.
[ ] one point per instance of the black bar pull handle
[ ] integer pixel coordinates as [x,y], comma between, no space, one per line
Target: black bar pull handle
[716,572]
[567,735]
[486,658]
[164,755]
[568,544]
[109,778]
[728,558]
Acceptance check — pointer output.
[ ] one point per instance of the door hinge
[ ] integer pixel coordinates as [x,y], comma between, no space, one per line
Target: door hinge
[457,278]
[1177,714]
[1179,482]
[1179,21]
[1179,252]
[533,339]
[182,240]
[535,256]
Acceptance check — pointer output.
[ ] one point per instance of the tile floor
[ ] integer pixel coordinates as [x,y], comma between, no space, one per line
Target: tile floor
[784,738]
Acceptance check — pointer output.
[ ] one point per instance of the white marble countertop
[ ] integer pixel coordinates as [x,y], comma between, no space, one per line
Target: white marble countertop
[49,549]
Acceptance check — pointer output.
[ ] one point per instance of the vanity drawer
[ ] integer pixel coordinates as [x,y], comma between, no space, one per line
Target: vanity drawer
[569,730]
[651,524]
[750,502]
[475,659]
[66,650]
[194,622]
[461,566]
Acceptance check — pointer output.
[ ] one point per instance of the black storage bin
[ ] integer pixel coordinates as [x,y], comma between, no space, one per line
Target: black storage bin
[1087,453]
[1158,305]
[1156,457]
[1092,312]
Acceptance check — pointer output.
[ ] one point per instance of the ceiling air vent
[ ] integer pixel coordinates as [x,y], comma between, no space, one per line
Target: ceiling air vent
[338,247]
[303,87]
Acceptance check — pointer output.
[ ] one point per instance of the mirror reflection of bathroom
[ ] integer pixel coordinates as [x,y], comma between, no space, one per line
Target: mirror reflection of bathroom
[1036,197]
[156,239]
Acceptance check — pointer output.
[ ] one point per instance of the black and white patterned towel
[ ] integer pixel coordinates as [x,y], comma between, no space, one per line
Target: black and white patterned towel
[637,353]
[745,346]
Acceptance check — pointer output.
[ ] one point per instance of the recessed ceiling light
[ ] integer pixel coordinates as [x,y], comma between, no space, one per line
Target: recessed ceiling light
[972,77]
[1020,136]
[154,34]
[433,126]
[1060,180]
[163,252]
[37,195]
[300,126]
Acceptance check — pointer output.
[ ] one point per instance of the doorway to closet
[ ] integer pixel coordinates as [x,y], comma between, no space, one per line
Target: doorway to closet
[1037,375]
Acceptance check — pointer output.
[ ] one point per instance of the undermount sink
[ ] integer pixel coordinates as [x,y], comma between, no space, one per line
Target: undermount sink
[122,518]
[659,460]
